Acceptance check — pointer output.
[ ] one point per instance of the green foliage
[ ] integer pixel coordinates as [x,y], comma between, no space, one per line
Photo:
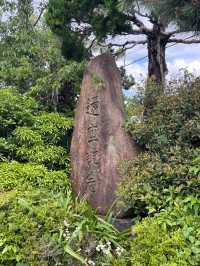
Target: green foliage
[18,176]
[149,179]
[53,127]
[54,157]
[46,142]
[58,89]
[127,79]
[54,227]
[170,135]
[41,222]
[27,52]
[102,18]
[25,136]
[15,110]
[163,182]
[134,109]
[171,237]
[174,119]
[31,61]
[32,220]
[184,13]
[30,135]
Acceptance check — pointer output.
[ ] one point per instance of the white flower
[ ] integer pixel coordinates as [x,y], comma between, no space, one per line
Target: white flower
[104,248]
[98,248]
[66,234]
[119,251]
[106,251]
[66,224]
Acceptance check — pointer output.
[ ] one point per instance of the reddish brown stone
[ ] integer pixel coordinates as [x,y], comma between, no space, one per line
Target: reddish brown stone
[99,140]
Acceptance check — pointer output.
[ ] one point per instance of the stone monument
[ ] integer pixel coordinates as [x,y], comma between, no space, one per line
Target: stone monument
[99,140]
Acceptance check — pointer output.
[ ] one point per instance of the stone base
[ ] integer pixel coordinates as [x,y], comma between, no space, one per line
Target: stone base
[121,224]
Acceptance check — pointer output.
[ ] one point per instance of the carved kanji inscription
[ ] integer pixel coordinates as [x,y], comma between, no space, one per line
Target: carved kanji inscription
[99,140]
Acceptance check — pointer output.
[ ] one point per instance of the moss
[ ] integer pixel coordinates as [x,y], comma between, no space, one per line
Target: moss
[98,82]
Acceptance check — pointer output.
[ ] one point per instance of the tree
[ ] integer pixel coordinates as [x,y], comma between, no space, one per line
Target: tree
[31,59]
[82,24]
[186,14]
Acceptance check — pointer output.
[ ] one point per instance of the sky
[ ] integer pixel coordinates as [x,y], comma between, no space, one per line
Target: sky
[177,57]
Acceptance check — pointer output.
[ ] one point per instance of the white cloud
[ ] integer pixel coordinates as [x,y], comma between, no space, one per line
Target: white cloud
[191,66]
[177,57]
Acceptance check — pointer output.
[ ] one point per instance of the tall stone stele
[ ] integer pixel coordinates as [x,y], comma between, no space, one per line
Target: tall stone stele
[99,140]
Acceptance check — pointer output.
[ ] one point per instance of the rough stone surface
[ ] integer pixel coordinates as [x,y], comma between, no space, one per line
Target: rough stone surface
[99,140]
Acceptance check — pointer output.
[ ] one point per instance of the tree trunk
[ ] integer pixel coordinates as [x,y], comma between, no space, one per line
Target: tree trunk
[157,68]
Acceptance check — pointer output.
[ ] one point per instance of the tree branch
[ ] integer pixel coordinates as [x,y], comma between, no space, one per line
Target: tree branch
[91,44]
[142,28]
[176,32]
[40,15]
[121,51]
[174,40]
[143,15]
[137,32]
[124,44]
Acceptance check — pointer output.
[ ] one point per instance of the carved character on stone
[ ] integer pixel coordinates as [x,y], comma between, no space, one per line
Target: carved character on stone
[99,140]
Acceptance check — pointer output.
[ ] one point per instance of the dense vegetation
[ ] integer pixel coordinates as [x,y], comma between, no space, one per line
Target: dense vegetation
[41,221]
[162,185]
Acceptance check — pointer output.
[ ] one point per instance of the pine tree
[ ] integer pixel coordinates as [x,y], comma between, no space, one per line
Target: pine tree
[81,22]
[186,14]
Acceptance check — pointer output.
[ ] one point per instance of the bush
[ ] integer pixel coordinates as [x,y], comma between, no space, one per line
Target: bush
[30,228]
[53,127]
[54,157]
[19,176]
[174,119]
[147,179]
[171,237]
[41,228]
[46,141]
[25,136]
[15,110]
[170,135]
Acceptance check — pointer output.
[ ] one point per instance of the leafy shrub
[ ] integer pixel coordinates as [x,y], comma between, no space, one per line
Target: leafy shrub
[53,127]
[171,237]
[31,221]
[41,228]
[25,136]
[54,157]
[148,177]
[15,110]
[19,176]
[170,135]
[46,141]
[174,119]
[6,148]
